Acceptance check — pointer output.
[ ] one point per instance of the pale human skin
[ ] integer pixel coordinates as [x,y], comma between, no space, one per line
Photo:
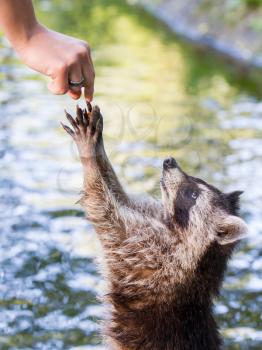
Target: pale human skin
[58,56]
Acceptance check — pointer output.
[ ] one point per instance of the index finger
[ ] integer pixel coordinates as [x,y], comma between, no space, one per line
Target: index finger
[89,76]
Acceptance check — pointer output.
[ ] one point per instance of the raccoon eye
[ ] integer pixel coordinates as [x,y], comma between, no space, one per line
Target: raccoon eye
[194,194]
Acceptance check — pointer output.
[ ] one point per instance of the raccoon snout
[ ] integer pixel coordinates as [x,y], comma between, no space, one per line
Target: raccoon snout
[169,163]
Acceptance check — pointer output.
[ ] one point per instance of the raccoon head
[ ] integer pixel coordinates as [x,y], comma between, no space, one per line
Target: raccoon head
[193,207]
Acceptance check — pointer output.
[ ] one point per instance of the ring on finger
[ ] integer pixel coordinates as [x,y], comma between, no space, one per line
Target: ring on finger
[77,83]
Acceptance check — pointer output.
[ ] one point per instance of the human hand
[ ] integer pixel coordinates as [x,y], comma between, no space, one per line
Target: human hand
[60,57]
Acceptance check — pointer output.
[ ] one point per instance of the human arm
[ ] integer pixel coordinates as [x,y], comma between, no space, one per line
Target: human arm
[51,53]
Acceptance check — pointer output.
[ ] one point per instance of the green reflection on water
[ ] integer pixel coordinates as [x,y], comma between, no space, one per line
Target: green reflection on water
[125,36]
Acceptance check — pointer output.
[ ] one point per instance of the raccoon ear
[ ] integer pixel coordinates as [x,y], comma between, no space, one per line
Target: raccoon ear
[231,229]
[233,200]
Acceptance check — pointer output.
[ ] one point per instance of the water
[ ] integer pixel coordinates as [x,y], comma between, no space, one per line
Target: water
[159,97]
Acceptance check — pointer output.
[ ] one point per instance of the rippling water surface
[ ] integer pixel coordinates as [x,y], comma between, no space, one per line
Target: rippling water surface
[159,97]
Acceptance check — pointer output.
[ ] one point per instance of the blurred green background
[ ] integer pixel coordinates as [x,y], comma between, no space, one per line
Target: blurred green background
[160,96]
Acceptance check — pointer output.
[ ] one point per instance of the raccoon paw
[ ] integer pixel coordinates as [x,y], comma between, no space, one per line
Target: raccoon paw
[87,126]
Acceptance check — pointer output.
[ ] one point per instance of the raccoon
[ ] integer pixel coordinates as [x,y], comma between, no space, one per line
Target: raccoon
[164,260]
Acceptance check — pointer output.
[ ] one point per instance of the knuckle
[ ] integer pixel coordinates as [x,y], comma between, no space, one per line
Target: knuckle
[81,53]
[85,45]
[61,67]
[72,60]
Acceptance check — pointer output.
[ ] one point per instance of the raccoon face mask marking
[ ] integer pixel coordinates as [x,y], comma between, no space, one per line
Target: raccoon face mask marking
[192,205]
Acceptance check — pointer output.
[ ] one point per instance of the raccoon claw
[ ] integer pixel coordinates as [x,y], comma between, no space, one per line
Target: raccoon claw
[89,106]
[72,121]
[86,126]
[67,129]
[79,115]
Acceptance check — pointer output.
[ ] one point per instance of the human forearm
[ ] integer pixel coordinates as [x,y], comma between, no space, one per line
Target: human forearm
[18,21]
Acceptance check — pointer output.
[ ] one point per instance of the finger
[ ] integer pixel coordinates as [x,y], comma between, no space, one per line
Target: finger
[75,74]
[89,76]
[59,85]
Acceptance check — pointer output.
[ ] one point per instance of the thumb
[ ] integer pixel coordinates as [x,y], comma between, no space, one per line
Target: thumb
[59,85]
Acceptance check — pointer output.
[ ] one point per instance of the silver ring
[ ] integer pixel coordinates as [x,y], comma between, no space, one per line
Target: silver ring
[77,83]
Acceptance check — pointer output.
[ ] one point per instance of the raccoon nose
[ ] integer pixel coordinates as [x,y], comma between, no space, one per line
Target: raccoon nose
[169,163]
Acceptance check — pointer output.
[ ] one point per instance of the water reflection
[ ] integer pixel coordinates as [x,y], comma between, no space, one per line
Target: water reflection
[159,97]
